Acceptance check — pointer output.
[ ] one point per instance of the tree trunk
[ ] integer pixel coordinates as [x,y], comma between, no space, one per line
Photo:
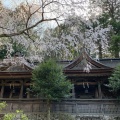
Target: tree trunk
[99,47]
[48,109]
[116,54]
[100,50]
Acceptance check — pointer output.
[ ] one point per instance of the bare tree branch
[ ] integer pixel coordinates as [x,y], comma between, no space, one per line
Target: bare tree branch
[23,31]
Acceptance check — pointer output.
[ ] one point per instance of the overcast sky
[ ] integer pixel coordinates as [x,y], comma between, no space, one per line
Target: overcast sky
[11,3]
[14,3]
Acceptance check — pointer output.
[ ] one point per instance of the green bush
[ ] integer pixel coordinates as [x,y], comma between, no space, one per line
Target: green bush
[11,116]
[17,115]
[2,105]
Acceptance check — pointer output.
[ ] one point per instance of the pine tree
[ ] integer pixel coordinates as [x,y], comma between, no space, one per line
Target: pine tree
[114,80]
[50,82]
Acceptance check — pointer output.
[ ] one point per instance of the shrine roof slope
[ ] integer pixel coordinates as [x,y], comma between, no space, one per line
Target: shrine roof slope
[17,64]
[84,60]
[110,62]
[84,65]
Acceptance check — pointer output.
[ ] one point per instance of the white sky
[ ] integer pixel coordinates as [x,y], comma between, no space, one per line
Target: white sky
[11,4]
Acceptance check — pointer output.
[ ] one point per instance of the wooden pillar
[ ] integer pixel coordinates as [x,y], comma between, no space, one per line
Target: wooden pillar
[73,91]
[99,90]
[21,90]
[96,92]
[2,89]
[28,94]
[11,92]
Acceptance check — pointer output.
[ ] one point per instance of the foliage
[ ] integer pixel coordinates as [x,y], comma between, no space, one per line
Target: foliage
[115,45]
[114,80]
[75,33]
[111,17]
[62,116]
[115,38]
[49,81]
[10,116]
[64,39]
[2,105]
[26,24]
[90,26]
[19,48]
[16,48]
[3,52]
[18,115]
[100,34]
[54,116]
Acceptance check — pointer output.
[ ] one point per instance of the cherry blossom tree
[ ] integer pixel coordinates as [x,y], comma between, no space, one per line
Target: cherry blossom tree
[27,24]
[35,14]
[76,33]
[111,16]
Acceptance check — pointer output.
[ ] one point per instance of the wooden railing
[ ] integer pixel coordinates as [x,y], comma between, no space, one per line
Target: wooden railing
[72,106]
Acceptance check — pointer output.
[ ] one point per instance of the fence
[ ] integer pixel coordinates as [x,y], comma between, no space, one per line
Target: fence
[76,106]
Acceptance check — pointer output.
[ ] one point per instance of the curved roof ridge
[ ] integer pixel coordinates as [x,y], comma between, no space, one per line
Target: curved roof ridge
[97,62]
[84,56]
[17,64]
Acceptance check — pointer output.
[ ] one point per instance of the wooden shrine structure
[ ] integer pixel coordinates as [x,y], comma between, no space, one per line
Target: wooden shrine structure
[89,77]
[15,78]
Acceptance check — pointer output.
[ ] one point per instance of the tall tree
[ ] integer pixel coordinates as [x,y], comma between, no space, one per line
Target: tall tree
[111,14]
[100,34]
[34,14]
[114,80]
[50,82]
[65,37]
[79,32]
[115,39]
[26,24]
[30,21]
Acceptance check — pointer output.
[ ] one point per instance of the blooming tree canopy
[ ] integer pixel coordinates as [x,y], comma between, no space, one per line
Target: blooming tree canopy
[28,24]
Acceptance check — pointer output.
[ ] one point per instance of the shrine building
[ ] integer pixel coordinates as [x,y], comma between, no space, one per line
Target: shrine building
[89,78]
